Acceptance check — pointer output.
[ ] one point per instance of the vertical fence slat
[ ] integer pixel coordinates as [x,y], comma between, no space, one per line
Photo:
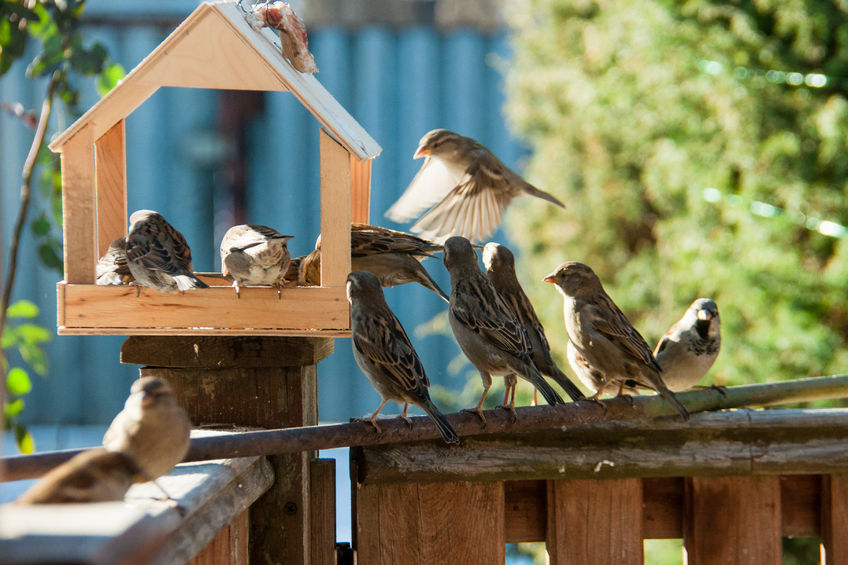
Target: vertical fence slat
[322,511]
[594,521]
[430,523]
[732,520]
[834,520]
[229,546]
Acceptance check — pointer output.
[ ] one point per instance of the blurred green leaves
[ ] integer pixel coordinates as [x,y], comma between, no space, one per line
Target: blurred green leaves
[699,148]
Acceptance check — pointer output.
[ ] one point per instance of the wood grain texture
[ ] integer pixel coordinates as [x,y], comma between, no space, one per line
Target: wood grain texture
[78,208]
[662,507]
[731,520]
[117,310]
[360,192]
[111,171]
[322,510]
[430,523]
[595,521]
[525,511]
[335,212]
[800,505]
[834,519]
[229,546]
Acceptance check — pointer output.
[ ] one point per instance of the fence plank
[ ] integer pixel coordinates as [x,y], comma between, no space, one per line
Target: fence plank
[732,520]
[322,511]
[595,521]
[525,513]
[229,546]
[428,523]
[834,519]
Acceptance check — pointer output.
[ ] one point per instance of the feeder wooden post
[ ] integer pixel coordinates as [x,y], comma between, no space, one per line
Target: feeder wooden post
[267,382]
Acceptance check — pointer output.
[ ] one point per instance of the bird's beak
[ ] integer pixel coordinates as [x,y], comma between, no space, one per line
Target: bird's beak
[705,315]
[550,279]
[421,152]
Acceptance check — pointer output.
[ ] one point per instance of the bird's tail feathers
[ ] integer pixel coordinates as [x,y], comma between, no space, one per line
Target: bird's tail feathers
[532,374]
[533,191]
[448,433]
[569,387]
[188,282]
[668,395]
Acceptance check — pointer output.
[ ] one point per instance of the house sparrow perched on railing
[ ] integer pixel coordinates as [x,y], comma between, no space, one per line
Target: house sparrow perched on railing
[500,268]
[112,268]
[95,475]
[158,255]
[690,347]
[464,185]
[152,428]
[487,330]
[295,44]
[393,256]
[604,348]
[386,356]
[253,254]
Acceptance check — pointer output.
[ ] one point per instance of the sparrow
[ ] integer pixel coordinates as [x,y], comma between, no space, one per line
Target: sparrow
[152,428]
[386,356]
[500,268]
[604,348]
[393,256]
[95,475]
[487,330]
[253,254]
[690,347]
[464,185]
[295,45]
[112,268]
[158,255]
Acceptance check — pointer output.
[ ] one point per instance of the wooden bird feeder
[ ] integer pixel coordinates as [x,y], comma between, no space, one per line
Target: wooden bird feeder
[214,48]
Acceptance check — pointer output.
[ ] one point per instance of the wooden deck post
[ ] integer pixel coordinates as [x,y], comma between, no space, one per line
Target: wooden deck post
[732,520]
[834,519]
[595,521]
[267,382]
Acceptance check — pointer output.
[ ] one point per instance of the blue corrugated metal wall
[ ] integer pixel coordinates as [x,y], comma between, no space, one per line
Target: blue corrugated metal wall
[397,83]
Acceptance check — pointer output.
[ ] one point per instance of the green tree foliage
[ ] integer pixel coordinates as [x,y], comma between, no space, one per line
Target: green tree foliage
[700,149]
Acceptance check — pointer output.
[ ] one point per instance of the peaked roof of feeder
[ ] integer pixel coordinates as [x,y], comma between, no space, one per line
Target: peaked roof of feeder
[215,47]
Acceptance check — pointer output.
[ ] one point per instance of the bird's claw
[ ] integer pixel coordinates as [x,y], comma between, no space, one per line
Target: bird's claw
[511,411]
[368,421]
[477,412]
[406,419]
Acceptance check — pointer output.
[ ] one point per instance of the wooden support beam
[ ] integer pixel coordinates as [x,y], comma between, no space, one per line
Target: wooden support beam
[732,520]
[592,521]
[78,208]
[229,546]
[335,212]
[360,198]
[111,170]
[429,523]
[834,519]
[236,381]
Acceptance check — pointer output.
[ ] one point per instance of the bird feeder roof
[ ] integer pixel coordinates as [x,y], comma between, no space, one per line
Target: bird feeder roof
[216,48]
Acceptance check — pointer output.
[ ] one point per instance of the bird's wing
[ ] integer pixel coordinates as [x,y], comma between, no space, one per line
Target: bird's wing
[521,305]
[482,310]
[366,239]
[159,247]
[473,209]
[436,178]
[383,340]
[609,320]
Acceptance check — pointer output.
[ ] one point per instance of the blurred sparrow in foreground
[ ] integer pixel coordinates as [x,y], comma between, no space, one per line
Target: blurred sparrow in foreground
[158,255]
[393,256]
[690,347]
[295,45]
[152,428]
[253,254]
[386,356]
[604,348]
[464,185]
[112,268]
[487,330]
[95,475]
[500,268]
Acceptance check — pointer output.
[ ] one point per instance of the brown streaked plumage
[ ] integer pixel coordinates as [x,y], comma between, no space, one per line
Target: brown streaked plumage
[604,348]
[253,254]
[464,185]
[158,255]
[500,268]
[393,256]
[95,475]
[386,356]
[487,330]
[112,268]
